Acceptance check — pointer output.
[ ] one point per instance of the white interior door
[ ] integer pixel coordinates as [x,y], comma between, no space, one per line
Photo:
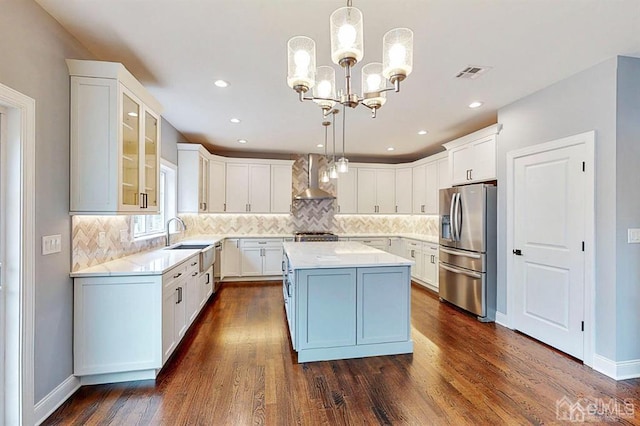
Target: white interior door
[548,274]
[2,262]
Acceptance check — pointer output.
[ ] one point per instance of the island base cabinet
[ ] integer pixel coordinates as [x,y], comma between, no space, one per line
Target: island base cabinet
[328,311]
[117,328]
[383,305]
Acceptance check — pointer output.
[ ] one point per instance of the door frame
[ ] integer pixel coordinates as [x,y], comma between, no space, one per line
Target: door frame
[20,281]
[588,140]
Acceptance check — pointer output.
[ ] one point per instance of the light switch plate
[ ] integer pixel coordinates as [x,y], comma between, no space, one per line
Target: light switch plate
[633,236]
[51,244]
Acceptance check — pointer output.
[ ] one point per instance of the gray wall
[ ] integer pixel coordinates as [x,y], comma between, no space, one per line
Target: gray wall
[590,101]
[628,209]
[33,48]
[169,138]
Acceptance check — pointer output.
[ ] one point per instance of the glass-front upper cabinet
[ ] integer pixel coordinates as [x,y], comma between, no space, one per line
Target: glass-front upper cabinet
[151,159]
[130,159]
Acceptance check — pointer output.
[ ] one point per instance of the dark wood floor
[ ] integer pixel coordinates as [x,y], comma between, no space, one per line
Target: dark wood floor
[236,367]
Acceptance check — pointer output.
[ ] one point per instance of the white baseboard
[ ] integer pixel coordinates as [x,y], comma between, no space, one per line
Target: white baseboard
[621,370]
[503,320]
[55,398]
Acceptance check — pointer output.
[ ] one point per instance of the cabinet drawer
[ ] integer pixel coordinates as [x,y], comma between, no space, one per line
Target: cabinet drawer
[275,242]
[175,274]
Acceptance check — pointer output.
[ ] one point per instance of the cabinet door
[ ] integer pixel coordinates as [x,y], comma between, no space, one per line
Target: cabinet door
[347,190]
[231,258]
[203,184]
[430,263]
[414,252]
[272,260]
[367,191]
[383,305]
[130,157]
[216,186]
[386,191]
[460,164]
[484,156]
[281,188]
[251,262]
[431,188]
[419,190]
[237,188]
[189,165]
[151,170]
[192,293]
[444,178]
[205,283]
[181,321]
[169,342]
[259,188]
[326,308]
[404,189]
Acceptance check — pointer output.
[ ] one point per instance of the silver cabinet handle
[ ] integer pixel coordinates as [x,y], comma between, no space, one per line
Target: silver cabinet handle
[177,275]
[194,274]
[224,207]
[458,271]
[194,263]
[208,278]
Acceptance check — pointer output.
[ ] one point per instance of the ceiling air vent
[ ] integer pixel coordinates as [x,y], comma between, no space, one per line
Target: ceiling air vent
[472,72]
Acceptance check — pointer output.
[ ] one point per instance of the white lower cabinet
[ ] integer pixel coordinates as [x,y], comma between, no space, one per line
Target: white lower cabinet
[425,271]
[261,257]
[206,286]
[126,327]
[379,243]
[413,250]
[231,257]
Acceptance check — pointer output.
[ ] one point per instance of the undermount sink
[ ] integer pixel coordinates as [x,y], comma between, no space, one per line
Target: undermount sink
[188,247]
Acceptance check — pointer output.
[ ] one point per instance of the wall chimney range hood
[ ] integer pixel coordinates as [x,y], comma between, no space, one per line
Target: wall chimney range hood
[313,191]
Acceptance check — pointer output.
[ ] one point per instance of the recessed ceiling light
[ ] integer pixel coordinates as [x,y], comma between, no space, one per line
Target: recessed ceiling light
[221,83]
[320,145]
[132,114]
[391,148]
[475,104]
[234,120]
[422,132]
[242,141]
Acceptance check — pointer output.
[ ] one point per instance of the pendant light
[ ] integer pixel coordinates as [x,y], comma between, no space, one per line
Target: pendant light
[343,163]
[324,176]
[333,171]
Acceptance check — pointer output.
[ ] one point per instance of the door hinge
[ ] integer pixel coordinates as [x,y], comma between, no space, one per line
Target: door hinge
[582,326]
[584,166]
[583,246]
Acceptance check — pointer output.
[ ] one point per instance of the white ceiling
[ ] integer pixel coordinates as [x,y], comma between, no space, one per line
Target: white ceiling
[177,48]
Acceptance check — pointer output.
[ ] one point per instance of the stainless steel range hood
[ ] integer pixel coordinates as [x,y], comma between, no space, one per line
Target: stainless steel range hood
[313,191]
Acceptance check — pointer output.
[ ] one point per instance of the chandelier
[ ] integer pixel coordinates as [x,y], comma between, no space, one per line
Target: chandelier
[347,49]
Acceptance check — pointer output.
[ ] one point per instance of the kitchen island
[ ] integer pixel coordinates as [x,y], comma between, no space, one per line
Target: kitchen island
[346,300]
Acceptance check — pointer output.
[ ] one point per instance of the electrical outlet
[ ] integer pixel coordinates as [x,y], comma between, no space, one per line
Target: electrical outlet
[124,235]
[51,244]
[633,236]
[102,239]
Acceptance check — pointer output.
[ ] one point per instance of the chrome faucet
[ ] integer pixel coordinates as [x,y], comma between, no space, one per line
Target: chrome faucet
[184,228]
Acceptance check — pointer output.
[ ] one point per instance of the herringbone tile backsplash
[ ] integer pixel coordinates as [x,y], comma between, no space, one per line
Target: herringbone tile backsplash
[316,215]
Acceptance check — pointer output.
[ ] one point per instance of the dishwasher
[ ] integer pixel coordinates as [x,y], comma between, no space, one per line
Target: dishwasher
[217,266]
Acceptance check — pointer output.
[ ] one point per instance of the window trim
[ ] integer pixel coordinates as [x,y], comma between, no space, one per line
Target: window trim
[169,204]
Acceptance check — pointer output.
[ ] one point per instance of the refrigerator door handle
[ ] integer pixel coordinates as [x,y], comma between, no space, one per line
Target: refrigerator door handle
[458,217]
[459,271]
[458,253]
[452,221]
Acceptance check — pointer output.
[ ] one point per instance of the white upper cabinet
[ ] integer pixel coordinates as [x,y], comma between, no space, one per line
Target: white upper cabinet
[419,189]
[376,190]
[426,184]
[444,179]
[281,188]
[472,158]
[193,178]
[217,184]
[115,141]
[347,189]
[404,190]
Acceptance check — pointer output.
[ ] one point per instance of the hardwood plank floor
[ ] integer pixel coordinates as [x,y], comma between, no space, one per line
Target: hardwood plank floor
[236,367]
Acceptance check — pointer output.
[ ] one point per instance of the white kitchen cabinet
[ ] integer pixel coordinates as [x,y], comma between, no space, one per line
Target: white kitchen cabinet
[217,184]
[115,141]
[430,265]
[403,190]
[281,188]
[413,251]
[193,178]
[376,190]
[347,191]
[231,257]
[205,281]
[375,242]
[444,179]
[419,188]
[193,294]
[261,257]
[396,246]
[431,187]
[472,158]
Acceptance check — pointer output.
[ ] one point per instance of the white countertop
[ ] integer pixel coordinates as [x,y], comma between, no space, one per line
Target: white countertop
[341,254]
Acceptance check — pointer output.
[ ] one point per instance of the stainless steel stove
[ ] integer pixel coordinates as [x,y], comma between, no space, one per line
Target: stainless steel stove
[315,236]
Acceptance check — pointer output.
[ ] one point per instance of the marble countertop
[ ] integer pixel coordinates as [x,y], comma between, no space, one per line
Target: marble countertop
[341,254]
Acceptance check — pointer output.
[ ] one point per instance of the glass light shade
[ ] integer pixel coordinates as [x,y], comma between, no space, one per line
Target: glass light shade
[397,53]
[324,176]
[346,34]
[372,85]
[301,53]
[343,165]
[325,86]
[333,172]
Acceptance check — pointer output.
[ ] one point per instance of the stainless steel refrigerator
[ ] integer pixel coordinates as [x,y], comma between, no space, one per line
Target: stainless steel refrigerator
[467,264]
